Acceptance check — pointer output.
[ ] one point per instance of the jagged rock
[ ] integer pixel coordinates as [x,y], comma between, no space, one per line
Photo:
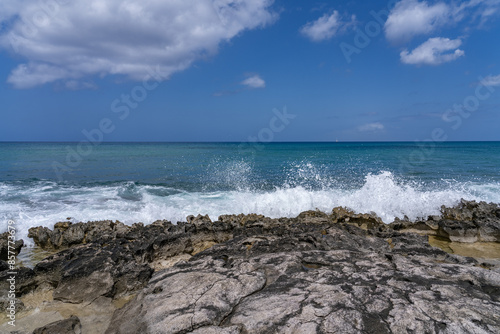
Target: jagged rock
[73,235]
[318,272]
[25,281]
[87,272]
[427,227]
[314,216]
[4,246]
[67,326]
[198,220]
[41,236]
[5,302]
[468,222]
[66,234]
[363,220]
[463,231]
[242,219]
[118,259]
[3,265]
[471,221]
[346,280]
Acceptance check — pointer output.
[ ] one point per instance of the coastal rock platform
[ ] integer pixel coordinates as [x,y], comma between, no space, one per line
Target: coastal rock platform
[337,272]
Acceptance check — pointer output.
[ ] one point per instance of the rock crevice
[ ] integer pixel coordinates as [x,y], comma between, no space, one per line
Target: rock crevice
[316,273]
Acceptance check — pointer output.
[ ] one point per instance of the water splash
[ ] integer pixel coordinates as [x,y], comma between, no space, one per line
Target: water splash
[44,203]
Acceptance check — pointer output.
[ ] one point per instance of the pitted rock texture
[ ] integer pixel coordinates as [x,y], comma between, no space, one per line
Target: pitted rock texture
[317,273]
[15,247]
[467,222]
[317,278]
[68,326]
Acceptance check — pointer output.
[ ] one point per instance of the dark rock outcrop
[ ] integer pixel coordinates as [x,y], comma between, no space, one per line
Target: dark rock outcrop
[467,222]
[4,246]
[66,234]
[471,222]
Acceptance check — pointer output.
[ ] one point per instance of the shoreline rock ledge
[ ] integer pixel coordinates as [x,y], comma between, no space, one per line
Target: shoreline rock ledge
[317,273]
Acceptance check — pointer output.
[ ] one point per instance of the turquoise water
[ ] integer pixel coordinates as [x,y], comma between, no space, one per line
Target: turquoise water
[42,183]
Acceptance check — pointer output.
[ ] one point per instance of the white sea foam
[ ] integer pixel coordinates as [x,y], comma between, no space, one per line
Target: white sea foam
[47,202]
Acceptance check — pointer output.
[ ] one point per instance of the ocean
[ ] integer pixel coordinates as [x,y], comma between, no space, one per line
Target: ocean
[44,183]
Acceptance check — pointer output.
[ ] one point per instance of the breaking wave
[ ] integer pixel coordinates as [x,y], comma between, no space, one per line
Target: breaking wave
[304,187]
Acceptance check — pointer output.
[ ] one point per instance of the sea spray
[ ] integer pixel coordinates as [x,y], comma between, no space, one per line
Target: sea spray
[143,182]
[45,202]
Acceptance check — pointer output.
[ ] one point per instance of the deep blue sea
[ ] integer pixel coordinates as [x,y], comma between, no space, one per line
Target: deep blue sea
[43,183]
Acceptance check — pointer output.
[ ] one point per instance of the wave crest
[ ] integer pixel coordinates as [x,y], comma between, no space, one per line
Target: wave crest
[44,203]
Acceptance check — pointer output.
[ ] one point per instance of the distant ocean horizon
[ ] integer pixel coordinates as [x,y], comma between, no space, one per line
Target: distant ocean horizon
[42,183]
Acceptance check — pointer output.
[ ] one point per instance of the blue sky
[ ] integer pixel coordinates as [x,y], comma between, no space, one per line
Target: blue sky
[204,70]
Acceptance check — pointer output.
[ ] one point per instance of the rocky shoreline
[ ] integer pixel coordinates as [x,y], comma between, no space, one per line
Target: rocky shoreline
[337,272]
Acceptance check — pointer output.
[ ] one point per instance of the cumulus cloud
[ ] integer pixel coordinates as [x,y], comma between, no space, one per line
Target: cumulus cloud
[491,80]
[69,40]
[371,127]
[433,52]
[410,18]
[326,27]
[255,81]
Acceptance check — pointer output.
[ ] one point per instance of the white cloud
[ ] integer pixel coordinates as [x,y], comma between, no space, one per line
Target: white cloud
[410,18]
[478,10]
[254,81]
[326,27]
[371,127]
[433,52]
[70,40]
[491,80]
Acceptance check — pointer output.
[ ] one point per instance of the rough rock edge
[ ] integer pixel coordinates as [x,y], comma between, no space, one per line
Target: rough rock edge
[67,326]
[125,253]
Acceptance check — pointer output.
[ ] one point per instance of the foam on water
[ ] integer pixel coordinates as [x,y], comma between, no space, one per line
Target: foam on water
[45,202]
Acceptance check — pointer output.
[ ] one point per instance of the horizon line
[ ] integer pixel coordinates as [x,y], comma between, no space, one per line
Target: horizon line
[241,142]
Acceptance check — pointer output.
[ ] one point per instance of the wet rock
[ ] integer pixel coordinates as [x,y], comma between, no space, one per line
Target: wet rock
[3,265]
[113,259]
[4,246]
[68,326]
[84,273]
[24,278]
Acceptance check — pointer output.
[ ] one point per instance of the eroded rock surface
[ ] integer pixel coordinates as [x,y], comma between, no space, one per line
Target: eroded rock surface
[4,246]
[467,222]
[316,273]
[67,326]
[299,277]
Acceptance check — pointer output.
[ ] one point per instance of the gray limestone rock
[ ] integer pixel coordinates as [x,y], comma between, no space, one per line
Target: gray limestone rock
[67,326]
[340,272]
[317,278]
